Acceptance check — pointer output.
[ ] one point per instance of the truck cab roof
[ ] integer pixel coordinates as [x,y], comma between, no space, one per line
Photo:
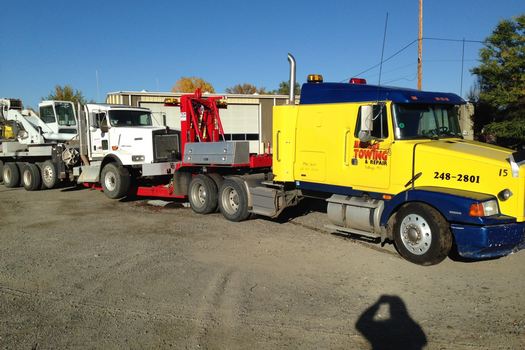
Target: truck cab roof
[321,93]
[107,107]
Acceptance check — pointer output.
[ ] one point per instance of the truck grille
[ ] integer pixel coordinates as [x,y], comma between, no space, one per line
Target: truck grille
[167,147]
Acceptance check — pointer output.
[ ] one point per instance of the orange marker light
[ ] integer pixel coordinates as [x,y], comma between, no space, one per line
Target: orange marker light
[114,148]
[476,210]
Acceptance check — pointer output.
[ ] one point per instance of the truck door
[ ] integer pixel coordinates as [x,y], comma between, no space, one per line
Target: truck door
[370,149]
[99,136]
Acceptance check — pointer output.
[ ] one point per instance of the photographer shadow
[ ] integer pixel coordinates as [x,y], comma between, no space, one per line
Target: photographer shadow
[387,325]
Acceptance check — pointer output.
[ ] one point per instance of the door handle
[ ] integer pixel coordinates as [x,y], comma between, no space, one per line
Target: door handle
[345,158]
[277,146]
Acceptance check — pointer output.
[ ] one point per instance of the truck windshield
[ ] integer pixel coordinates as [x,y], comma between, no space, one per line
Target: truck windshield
[422,121]
[65,114]
[129,118]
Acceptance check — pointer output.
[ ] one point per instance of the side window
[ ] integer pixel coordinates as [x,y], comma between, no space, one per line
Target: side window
[47,114]
[96,119]
[101,119]
[379,122]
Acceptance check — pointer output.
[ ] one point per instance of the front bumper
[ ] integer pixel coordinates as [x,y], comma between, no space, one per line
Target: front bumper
[479,242]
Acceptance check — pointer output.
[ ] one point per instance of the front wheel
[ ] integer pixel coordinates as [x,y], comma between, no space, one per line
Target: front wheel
[233,199]
[421,234]
[115,181]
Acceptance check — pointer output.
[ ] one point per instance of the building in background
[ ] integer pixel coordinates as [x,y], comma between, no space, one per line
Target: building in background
[248,117]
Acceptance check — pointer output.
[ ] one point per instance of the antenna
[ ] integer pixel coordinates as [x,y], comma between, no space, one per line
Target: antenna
[380,114]
[420,48]
[382,51]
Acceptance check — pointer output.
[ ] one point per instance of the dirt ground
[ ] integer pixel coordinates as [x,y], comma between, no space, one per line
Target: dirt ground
[78,270]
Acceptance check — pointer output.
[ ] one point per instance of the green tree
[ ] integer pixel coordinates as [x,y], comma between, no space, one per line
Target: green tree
[66,93]
[247,89]
[284,88]
[189,84]
[500,104]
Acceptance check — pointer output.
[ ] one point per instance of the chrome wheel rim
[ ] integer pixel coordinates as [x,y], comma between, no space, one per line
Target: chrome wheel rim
[199,195]
[110,181]
[47,174]
[230,200]
[27,177]
[416,234]
[7,175]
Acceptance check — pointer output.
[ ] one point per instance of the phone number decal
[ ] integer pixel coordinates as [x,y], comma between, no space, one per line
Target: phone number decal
[458,177]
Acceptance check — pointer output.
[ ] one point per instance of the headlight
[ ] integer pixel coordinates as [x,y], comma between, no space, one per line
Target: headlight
[137,158]
[488,208]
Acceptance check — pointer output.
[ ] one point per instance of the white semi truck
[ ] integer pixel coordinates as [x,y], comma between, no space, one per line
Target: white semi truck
[108,144]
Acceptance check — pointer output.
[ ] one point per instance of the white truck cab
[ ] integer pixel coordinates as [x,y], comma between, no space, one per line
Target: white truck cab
[121,142]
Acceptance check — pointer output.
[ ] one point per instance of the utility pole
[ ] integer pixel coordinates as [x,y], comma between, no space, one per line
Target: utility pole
[420,48]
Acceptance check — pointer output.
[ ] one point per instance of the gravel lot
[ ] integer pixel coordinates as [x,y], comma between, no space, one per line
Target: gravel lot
[78,270]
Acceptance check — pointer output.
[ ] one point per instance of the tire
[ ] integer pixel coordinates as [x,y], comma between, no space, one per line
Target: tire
[49,174]
[42,186]
[421,234]
[202,194]
[233,199]
[11,175]
[115,181]
[1,171]
[31,178]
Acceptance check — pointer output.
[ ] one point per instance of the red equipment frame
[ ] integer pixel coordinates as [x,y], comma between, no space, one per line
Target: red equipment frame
[200,121]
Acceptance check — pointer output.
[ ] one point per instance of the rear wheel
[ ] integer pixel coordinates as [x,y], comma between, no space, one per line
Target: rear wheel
[421,234]
[233,199]
[31,178]
[1,171]
[115,181]
[202,194]
[11,175]
[49,174]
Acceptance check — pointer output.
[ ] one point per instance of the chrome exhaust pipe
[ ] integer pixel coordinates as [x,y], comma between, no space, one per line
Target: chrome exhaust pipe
[291,98]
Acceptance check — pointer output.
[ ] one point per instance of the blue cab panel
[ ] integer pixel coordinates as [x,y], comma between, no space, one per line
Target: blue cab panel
[317,93]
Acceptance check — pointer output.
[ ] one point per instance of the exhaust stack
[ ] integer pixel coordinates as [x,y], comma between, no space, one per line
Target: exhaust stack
[291,98]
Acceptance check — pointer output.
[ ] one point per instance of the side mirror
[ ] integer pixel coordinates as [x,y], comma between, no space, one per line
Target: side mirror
[104,127]
[367,118]
[367,123]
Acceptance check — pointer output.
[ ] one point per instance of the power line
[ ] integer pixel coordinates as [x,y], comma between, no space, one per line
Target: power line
[385,60]
[456,40]
[406,47]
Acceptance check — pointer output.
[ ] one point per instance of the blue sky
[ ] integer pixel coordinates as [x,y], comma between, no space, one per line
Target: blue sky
[136,45]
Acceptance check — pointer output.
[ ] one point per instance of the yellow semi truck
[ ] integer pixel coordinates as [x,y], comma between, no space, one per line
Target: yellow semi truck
[391,163]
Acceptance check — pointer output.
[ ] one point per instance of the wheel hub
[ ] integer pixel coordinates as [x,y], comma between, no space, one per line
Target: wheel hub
[48,174]
[27,177]
[416,234]
[110,181]
[234,199]
[202,194]
[412,234]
